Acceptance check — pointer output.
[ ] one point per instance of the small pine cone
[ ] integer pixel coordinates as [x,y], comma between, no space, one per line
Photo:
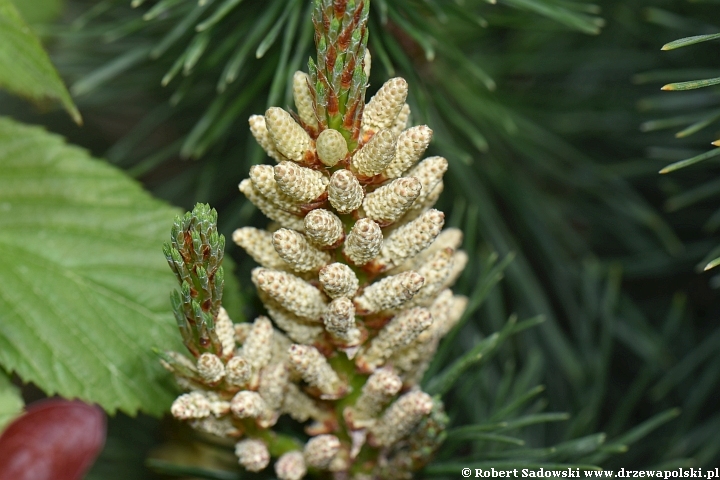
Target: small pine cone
[401,121]
[377,392]
[410,239]
[304,100]
[435,272]
[210,368]
[411,144]
[300,330]
[252,454]
[294,294]
[331,147]
[402,330]
[247,404]
[345,192]
[338,280]
[389,202]
[259,245]
[319,451]
[384,108]
[290,466]
[323,228]
[294,249]
[301,184]
[390,292]
[238,372]
[262,136]
[257,348]
[190,405]
[376,155]
[299,406]
[364,242]
[226,333]
[263,179]
[315,370]
[401,417]
[289,138]
[339,321]
[269,209]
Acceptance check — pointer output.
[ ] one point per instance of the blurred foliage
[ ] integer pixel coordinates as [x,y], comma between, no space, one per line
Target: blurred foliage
[540,112]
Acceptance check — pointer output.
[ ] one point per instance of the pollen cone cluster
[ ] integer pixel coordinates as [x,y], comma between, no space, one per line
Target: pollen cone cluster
[354,272]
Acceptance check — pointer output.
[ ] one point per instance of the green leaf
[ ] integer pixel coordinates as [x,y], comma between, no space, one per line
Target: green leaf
[684,42]
[25,68]
[85,284]
[39,11]
[11,403]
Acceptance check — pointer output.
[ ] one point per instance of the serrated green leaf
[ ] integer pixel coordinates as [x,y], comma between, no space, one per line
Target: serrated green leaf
[684,42]
[25,68]
[85,285]
[11,403]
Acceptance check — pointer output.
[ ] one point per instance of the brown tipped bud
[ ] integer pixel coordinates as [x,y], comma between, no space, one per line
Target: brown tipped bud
[290,466]
[262,136]
[319,451]
[331,147]
[338,280]
[402,330]
[389,202]
[390,292]
[238,372]
[294,249]
[289,138]
[303,100]
[246,404]
[384,108]
[323,228]
[294,294]
[364,241]
[315,370]
[210,368]
[252,454]
[401,417]
[190,405]
[376,155]
[339,321]
[345,192]
[301,184]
